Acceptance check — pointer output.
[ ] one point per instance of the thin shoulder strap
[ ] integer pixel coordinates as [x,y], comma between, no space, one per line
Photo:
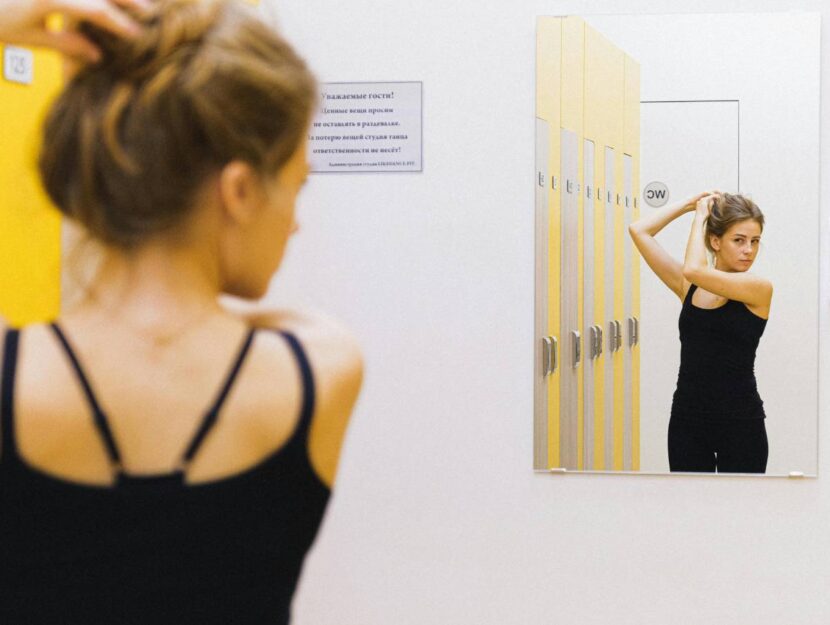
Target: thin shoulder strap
[691,291]
[212,414]
[98,415]
[10,343]
[307,377]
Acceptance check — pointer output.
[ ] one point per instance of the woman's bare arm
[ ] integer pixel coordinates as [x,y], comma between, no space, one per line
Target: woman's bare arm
[643,232]
[24,22]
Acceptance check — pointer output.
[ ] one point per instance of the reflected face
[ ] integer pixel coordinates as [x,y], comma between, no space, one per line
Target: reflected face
[737,248]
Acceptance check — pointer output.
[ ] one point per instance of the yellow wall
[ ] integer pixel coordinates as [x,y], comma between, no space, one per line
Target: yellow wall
[29,226]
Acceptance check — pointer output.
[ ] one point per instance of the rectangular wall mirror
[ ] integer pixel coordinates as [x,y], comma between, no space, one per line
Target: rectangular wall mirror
[635,113]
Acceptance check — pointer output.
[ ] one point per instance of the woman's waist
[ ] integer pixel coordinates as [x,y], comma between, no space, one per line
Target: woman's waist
[710,406]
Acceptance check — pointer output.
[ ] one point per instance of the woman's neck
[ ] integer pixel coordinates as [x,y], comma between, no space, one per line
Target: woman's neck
[156,290]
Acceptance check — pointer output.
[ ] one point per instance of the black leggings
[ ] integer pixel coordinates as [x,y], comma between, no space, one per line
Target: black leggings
[734,446]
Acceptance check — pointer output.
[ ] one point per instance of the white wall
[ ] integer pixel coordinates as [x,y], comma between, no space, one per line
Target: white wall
[438,517]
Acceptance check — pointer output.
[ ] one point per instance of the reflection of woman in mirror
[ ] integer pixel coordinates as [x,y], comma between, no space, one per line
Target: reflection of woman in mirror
[717,416]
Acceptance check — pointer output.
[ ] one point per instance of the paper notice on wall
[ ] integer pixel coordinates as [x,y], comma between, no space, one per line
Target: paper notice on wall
[367,127]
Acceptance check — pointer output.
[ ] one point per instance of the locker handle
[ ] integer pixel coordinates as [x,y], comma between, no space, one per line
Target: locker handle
[619,334]
[554,360]
[632,331]
[577,343]
[612,336]
[599,341]
[547,347]
[592,333]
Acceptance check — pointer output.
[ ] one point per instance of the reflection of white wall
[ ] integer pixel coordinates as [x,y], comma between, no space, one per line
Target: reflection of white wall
[768,63]
[438,518]
[688,146]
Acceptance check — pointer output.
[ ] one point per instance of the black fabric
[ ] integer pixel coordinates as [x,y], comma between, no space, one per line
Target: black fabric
[153,549]
[717,415]
[736,446]
[716,381]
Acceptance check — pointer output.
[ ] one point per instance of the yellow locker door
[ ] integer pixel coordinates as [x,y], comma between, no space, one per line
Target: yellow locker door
[615,88]
[596,138]
[571,244]
[29,225]
[548,101]
[632,147]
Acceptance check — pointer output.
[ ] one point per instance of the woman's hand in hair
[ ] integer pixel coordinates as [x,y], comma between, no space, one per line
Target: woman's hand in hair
[691,203]
[703,206]
[25,22]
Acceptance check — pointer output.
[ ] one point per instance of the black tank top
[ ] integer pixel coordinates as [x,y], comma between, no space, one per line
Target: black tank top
[155,550]
[716,381]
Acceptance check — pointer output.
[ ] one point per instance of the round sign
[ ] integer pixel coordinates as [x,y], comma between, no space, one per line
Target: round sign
[656,194]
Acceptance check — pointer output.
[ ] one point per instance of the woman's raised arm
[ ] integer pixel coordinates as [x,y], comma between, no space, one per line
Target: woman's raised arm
[643,231]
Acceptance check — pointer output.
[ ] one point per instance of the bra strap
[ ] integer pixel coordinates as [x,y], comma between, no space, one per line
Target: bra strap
[212,414]
[98,414]
[10,343]
[307,377]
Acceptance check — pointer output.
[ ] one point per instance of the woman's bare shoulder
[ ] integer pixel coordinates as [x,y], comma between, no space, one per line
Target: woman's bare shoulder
[337,366]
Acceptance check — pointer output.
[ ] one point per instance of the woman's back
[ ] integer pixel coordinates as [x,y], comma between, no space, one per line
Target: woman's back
[163,461]
[219,539]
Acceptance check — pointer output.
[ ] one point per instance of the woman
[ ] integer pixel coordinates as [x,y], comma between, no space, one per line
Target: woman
[164,460]
[717,416]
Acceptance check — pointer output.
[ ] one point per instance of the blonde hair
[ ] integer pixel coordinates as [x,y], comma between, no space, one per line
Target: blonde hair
[131,139]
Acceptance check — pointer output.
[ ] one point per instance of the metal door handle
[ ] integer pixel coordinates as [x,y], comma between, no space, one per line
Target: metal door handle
[632,331]
[577,342]
[612,336]
[554,360]
[547,347]
[619,334]
[592,333]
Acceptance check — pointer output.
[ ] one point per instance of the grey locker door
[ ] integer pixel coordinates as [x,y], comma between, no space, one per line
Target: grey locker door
[628,426]
[570,343]
[540,368]
[609,319]
[590,357]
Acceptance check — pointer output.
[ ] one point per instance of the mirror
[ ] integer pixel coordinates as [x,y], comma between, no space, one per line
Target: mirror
[635,113]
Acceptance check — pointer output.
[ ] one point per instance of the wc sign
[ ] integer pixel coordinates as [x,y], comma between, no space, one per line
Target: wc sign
[656,194]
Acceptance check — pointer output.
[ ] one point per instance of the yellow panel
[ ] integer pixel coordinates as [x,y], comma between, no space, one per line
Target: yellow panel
[573,112]
[548,81]
[29,225]
[632,140]
[616,101]
[603,124]
[593,124]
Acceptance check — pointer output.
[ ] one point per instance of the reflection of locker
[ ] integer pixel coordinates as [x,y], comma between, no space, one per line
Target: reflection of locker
[589,415]
[29,227]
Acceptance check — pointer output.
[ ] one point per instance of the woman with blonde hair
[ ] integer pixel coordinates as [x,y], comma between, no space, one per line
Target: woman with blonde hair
[717,415]
[164,460]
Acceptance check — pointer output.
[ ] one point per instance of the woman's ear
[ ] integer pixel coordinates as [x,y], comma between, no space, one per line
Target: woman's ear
[241,192]
[714,242]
